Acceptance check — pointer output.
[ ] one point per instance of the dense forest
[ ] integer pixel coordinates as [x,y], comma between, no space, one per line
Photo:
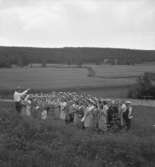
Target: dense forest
[26,55]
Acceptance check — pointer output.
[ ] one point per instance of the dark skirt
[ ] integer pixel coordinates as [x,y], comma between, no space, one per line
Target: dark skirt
[18,106]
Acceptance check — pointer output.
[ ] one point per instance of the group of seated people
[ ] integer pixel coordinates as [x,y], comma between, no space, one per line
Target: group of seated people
[83,110]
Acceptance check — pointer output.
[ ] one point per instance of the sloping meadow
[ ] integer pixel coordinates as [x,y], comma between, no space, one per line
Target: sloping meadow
[28,142]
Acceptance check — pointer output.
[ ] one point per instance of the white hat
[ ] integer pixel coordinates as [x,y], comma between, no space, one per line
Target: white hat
[18,87]
[108,100]
[128,102]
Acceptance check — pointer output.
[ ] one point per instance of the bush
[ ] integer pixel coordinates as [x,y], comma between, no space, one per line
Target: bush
[143,88]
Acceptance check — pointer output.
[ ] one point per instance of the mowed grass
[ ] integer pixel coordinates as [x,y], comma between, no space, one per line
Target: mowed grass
[34,143]
[56,78]
[120,71]
[116,78]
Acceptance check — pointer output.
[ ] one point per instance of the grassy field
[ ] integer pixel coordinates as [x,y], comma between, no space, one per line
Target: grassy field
[54,78]
[33,143]
[123,71]
[110,81]
[71,77]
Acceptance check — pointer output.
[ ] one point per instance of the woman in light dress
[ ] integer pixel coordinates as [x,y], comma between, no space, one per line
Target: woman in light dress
[102,122]
[88,119]
[57,110]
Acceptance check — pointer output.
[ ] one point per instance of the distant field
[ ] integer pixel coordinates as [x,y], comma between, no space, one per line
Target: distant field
[55,78]
[107,79]
[123,71]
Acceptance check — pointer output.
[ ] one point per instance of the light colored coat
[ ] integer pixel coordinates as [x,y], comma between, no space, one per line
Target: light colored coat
[102,123]
[88,118]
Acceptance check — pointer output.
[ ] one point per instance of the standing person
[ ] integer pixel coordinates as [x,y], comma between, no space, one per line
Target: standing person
[110,114]
[44,113]
[103,117]
[127,115]
[69,113]
[78,115]
[120,115]
[28,105]
[17,97]
[123,109]
[88,118]
[62,110]
[116,118]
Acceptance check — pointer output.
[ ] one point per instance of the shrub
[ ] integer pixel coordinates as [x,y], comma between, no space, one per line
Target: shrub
[143,88]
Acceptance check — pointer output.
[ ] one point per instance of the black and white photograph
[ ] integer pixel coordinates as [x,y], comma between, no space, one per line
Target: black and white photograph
[77,83]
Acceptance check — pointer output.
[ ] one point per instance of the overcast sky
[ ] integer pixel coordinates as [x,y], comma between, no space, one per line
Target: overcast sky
[60,23]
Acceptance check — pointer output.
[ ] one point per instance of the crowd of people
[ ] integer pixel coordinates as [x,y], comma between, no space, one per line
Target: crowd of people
[81,109]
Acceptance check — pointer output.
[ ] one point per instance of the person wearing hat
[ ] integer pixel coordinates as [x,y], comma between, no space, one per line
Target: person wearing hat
[127,115]
[17,97]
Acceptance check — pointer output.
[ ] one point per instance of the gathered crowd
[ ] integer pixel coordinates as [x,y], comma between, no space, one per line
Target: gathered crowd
[83,110]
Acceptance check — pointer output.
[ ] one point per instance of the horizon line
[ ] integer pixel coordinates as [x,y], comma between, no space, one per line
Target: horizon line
[63,47]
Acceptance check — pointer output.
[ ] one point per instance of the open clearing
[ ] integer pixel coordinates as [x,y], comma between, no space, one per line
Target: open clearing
[120,71]
[110,80]
[54,78]
[57,78]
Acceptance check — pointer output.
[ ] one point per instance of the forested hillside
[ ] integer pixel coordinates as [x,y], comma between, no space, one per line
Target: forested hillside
[26,55]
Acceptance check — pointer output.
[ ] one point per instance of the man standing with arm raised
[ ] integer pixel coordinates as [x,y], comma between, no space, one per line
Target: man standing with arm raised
[17,97]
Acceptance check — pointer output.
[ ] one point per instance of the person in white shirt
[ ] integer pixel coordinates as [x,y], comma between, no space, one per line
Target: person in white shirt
[17,97]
